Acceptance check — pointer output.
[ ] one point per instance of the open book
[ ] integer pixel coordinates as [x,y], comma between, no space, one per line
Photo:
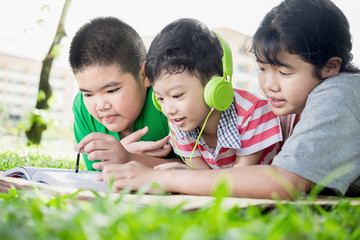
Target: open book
[59,177]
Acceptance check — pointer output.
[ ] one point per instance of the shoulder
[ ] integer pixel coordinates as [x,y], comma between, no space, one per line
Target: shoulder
[338,92]
[247,95]
[78,98]
[248,101]
[78,102]
[343,83]
[149,112]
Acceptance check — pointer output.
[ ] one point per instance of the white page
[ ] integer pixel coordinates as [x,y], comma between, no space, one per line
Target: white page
[81,180]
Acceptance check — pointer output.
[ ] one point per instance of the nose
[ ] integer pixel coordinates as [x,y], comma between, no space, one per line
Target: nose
[270,82]
[102,104]
[168,108]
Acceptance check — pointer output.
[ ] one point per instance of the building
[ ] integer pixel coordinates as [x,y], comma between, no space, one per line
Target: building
[244,64]
[19,79]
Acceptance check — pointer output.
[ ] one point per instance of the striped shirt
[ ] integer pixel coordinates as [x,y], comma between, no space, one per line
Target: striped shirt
[246,127]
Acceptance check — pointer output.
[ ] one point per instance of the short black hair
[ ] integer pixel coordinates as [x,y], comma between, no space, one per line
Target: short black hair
[185,45]
[105,41]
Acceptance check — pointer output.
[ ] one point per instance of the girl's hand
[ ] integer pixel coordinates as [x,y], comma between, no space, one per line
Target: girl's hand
[131,175]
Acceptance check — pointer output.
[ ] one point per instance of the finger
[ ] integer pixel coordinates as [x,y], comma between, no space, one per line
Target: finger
[171,165]
[99,154]
[92,137]
[135,136]
[111,168]
[122,183]
[150,146]
[161,152]
[112,171]
[76,148]
[117,186]
[99,177]
[96,146]
[100,165]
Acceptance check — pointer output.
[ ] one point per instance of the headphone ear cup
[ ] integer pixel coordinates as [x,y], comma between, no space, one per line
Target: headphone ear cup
[218,94]
[156,102]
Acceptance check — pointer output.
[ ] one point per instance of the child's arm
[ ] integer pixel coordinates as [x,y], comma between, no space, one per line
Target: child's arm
[258,181]
[197,163]
[247,160]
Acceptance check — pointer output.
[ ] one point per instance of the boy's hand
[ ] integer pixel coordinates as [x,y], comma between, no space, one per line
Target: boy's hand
[104,147]
[158,148]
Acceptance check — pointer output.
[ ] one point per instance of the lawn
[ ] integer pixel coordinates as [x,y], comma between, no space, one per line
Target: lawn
[30,214]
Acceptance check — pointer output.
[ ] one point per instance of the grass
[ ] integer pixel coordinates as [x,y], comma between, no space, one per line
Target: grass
[28,214]
[37,156]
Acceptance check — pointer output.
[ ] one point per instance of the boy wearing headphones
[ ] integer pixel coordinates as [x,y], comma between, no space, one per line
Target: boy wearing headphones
[212,125]
[107,57]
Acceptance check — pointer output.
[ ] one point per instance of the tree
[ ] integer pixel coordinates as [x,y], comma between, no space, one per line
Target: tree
[37,121]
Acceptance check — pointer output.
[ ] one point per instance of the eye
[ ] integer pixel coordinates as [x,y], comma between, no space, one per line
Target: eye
[160,99]
[261,67]
[113,90]
[86,95]
[284,73]
[178,95]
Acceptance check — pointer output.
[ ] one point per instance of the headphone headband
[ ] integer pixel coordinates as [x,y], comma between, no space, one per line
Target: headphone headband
[227,57]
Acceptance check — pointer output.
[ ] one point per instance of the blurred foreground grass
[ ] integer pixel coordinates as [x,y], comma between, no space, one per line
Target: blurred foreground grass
[29,214]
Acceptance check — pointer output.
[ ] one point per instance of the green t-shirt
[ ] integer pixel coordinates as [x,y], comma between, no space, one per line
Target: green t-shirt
[149,116]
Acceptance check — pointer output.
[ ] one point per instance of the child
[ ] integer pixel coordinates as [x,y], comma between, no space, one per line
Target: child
[184,59]
[303,48]
[107,57]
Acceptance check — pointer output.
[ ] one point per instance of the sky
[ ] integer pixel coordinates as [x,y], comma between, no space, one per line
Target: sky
[27,27]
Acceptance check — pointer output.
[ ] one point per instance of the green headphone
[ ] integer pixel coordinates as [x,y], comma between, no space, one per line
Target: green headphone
[218,92]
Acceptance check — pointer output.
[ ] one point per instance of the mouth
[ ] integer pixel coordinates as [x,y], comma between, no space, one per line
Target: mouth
[178,121]
[108,118]
[276,102]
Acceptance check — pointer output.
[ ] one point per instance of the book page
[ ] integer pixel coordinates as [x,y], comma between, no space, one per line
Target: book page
[27,172]
[81,180]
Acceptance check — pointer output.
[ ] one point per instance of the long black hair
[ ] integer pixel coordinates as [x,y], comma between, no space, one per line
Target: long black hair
[316,30]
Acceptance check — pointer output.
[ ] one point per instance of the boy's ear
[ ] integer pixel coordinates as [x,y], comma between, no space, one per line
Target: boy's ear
[143,76]
[332,68]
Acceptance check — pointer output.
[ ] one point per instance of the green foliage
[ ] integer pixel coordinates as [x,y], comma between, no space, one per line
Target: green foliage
[41,116]
[31,215]
[33,156]
[36,116]
[41,95]
[57,50]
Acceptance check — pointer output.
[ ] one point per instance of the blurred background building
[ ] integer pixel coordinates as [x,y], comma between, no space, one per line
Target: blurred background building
[19,79]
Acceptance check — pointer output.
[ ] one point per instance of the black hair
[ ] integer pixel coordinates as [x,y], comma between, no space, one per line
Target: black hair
[316,30]
[185,45]
[105,41]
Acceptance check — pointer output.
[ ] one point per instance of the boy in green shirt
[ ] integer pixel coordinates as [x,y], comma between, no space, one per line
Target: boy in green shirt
[107,57]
